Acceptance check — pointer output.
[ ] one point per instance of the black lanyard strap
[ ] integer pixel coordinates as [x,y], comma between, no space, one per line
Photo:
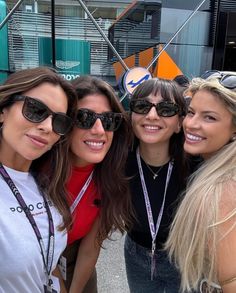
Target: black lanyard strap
[48,260]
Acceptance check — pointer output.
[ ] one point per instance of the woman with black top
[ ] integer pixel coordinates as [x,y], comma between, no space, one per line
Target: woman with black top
[157,170]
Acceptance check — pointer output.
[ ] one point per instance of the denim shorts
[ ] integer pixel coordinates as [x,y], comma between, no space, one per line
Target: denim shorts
[138,270]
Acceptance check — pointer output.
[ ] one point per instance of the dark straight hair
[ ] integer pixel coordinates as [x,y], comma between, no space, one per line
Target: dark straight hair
[110,173]
[51,169]
[169,91]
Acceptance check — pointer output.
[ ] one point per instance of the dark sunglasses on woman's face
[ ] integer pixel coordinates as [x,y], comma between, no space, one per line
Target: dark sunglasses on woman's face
[164,108]
[36,111]
[87,118]
[227,80]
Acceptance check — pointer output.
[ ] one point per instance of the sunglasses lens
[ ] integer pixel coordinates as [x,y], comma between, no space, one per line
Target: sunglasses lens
[111,121]
[140,106]
[61,123]
[167,109]
[211,73]
[164,109]
[34,110]
[85,119]
[229,81]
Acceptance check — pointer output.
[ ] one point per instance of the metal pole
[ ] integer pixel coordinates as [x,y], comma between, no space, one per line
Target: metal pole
[10,13]
[124,96]
[53,33]
[182,26]
[103,35]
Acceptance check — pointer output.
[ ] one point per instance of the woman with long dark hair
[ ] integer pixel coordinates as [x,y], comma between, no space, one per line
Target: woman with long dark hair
[37,109]
[98,190]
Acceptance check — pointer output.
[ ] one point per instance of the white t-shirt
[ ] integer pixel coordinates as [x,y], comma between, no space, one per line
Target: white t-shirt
[21,263]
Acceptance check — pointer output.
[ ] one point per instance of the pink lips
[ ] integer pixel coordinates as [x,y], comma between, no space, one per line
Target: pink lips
[37,140]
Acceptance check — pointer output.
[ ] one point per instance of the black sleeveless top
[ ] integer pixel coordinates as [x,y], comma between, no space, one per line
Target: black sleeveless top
[140,232]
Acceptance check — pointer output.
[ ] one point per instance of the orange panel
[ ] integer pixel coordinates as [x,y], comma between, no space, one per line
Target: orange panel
[145,57]
[119,69]
[167,68]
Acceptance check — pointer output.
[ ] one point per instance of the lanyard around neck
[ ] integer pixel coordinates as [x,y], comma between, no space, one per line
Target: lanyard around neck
[47,257]
[153,228]
[81,193]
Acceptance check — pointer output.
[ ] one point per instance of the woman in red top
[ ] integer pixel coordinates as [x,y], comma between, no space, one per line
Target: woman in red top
[98,191]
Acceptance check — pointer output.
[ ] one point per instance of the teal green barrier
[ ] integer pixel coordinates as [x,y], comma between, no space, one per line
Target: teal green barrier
[4,63]
[72,56]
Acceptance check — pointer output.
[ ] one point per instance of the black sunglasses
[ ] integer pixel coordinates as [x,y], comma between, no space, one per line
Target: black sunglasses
[164,108]
[110,121]
[227,80]
[35,111]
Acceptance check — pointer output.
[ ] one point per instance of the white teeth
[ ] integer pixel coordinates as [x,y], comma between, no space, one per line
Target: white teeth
[151,127]
[193,137]
[94,144]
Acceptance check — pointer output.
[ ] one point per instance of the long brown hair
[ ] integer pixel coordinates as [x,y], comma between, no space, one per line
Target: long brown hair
[110,173]
[51,169]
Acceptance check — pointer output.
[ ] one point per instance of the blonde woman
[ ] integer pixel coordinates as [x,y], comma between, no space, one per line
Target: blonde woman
[203,235]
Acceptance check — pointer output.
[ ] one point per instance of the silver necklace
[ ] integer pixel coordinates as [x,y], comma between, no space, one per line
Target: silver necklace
[155,175]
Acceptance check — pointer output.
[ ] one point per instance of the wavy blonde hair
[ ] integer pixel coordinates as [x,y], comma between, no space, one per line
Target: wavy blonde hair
[194,233]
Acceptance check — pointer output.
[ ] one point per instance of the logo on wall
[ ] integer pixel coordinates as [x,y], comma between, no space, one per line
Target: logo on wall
[66,64]
[135,77]
[72,56]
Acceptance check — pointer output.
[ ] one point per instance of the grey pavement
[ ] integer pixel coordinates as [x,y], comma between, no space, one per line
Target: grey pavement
[111,267]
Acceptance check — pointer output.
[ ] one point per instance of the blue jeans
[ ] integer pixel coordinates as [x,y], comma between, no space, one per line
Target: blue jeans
[138,270]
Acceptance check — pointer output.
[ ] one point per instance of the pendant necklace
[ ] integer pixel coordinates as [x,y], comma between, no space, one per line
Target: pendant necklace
[155,174]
